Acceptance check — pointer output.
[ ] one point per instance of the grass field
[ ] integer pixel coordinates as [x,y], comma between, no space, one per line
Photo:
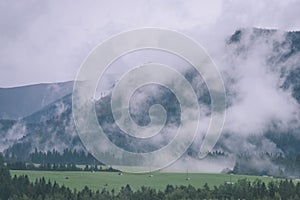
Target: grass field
[110,180]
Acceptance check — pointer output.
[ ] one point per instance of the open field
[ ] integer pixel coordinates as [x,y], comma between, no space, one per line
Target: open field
[112,180]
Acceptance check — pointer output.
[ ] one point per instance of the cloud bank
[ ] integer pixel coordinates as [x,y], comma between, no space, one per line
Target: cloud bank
[47,41]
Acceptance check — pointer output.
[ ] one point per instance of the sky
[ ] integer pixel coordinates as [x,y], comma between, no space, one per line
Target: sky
[46,41]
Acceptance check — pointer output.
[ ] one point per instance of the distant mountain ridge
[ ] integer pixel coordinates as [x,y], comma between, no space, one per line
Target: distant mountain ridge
[19,102]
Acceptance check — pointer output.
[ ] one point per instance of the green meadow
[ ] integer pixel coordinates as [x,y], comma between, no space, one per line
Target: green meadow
[113,180]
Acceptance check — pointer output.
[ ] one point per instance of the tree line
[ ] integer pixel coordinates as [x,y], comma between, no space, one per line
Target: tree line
[57,167]
[66,157]
[21,188]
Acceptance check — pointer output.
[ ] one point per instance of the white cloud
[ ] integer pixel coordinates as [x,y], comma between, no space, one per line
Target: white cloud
[47,41]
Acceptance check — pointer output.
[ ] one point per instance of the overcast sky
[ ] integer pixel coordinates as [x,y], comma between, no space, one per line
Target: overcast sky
[46,41]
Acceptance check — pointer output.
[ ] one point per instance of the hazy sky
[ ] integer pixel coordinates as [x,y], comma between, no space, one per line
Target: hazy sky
[46,41]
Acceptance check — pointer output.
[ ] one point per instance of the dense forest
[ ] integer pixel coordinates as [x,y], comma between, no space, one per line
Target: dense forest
[66,157]
[21,188]
[58,167]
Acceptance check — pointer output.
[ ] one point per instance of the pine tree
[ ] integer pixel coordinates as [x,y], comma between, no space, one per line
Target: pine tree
[5,180]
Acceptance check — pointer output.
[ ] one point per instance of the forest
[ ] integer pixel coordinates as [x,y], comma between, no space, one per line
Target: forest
[66,157]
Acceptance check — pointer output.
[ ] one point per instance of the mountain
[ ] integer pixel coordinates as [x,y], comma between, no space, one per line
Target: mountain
[280,56]
[47,129]
[19,102]
[264,109]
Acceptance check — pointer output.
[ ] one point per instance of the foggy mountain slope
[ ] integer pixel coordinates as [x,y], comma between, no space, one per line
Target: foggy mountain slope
[9,133]
[53,128]
[51,111]
[265,68]
[18,102]
[50,128]
[261,71]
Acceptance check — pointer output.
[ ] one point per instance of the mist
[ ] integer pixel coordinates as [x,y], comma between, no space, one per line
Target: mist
[45,42]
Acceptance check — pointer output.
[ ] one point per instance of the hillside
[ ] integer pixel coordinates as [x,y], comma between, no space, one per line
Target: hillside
[267,60]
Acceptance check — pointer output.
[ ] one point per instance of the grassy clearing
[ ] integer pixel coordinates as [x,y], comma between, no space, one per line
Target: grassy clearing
[112,180]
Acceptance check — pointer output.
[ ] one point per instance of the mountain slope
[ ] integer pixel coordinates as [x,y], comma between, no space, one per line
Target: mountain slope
[18,102]
[262,79]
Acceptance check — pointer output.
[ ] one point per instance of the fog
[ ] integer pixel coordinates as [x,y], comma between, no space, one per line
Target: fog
[47,41]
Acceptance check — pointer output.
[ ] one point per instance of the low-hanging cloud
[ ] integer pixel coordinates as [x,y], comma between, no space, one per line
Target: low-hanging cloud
[259,99]
[46,41]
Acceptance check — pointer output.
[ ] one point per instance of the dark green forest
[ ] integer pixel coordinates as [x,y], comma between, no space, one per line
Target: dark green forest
[58,167]
[66,157]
